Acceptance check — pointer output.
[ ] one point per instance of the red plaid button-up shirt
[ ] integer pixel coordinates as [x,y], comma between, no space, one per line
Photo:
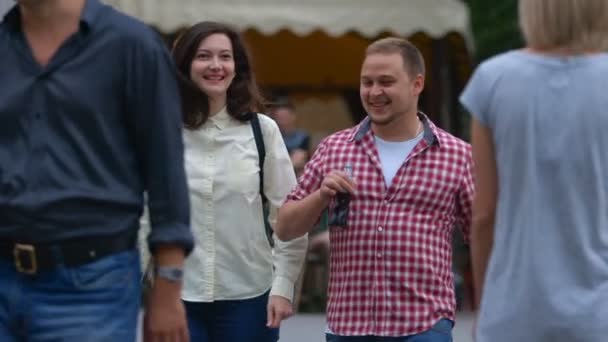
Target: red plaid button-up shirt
[391,267]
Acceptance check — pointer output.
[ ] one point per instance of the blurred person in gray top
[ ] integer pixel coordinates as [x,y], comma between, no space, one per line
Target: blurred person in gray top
[540,234]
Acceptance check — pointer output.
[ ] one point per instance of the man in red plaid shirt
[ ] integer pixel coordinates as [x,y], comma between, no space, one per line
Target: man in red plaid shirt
[396,186]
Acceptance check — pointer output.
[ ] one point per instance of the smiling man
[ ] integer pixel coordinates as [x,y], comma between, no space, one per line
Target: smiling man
[410,183]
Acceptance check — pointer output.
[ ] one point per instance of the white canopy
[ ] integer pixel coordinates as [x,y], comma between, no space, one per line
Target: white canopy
[335,17]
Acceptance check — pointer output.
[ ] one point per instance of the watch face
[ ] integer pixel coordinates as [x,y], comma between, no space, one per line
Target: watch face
[177,273]
[170,273]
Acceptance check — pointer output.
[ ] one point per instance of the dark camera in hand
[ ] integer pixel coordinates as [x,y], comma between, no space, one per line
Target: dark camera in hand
[339,214]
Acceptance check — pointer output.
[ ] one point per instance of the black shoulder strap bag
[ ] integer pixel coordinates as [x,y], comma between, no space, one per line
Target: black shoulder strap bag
[259,144]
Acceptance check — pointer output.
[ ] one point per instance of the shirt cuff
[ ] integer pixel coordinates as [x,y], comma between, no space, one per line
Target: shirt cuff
[283,287]
[171,234]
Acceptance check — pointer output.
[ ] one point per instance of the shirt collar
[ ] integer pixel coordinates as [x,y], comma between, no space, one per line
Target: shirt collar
[221,119]
[12,18]
[90,13]
[88,17]
[430,130]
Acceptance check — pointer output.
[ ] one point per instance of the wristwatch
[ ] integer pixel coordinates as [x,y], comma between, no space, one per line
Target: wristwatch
[171,273]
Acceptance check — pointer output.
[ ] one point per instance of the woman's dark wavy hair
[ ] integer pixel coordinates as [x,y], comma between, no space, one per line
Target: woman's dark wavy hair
[243,95]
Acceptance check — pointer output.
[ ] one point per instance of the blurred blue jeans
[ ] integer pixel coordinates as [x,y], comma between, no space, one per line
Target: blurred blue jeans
[95,302]
[230,321]
[440,332]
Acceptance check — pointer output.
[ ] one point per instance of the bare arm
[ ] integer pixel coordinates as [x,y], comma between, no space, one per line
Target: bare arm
[484,204]
[165,314]
[297,218]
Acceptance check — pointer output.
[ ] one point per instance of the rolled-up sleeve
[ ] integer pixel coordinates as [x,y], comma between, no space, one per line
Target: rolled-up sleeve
[154,104]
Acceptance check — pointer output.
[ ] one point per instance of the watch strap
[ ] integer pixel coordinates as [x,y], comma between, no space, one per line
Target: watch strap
[170,273]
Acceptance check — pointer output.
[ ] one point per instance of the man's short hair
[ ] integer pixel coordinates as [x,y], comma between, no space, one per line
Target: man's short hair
[412,58]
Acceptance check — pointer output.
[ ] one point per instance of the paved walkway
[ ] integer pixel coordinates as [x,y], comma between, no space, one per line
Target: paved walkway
[310,327]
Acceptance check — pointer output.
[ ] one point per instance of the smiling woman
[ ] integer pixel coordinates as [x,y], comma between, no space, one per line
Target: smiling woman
[214,65]
[236,287]
[212,68]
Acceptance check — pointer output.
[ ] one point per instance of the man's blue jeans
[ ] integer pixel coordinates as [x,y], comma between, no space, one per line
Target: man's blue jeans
[95,302]
[440,332]
[230,321]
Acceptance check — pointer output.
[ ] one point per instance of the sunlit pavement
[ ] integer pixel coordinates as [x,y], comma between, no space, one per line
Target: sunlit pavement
[310,328]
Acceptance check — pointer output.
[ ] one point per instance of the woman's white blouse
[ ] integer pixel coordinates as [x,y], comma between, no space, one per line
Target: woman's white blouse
[232,258]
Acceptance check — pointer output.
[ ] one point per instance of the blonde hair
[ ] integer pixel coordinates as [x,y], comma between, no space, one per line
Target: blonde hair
[571,25]
[412,58]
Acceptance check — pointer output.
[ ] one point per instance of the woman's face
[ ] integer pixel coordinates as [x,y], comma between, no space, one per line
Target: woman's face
[212,68]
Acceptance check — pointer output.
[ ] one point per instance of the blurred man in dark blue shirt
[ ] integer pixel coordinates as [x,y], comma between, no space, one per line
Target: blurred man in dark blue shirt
[296,140]
[89,121]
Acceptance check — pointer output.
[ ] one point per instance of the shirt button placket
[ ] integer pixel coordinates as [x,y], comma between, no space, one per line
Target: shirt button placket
[37,135]
[210,241]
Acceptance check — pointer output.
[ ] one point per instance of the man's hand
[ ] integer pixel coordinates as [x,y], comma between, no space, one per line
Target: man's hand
[279,308]
[334,182]
[165,315]
[296,218]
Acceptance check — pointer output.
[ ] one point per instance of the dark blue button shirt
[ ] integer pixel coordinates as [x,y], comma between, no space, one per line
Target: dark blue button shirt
[297,140]
[82,138]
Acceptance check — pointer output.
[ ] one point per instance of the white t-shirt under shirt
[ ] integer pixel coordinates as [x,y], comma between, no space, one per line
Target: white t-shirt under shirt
[393,154]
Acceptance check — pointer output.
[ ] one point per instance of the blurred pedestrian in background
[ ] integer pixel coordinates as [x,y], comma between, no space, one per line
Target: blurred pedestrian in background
[540,232]
[296,139]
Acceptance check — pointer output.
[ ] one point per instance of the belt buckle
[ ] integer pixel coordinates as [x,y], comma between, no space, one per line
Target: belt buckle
[23,250]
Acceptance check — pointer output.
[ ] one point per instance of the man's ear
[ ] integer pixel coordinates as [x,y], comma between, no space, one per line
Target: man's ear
[418,84]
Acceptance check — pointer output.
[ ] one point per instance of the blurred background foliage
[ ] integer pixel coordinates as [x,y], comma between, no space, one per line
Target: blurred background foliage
[495,27]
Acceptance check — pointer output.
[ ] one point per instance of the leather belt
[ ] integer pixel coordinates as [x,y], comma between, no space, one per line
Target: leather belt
[32,258]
